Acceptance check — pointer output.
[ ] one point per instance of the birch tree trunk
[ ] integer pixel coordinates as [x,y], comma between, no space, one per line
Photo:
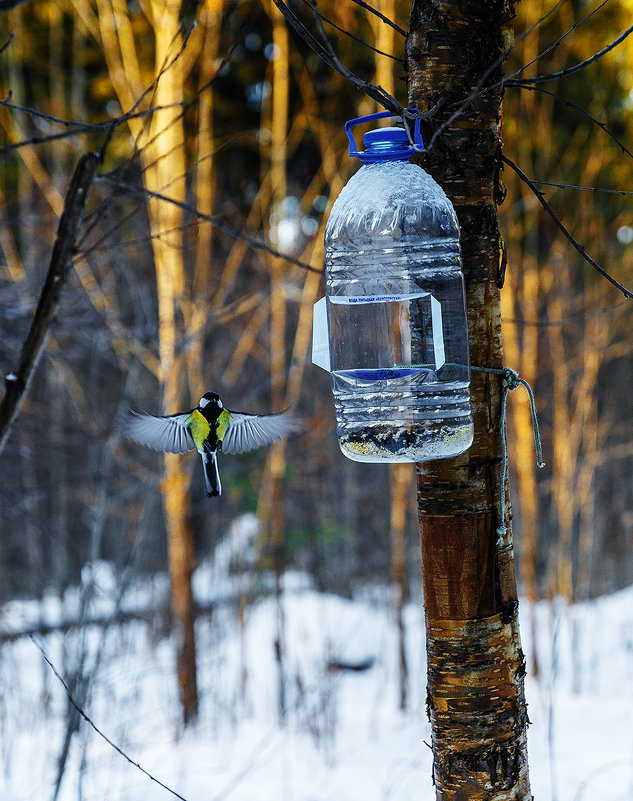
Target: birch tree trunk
[475,663]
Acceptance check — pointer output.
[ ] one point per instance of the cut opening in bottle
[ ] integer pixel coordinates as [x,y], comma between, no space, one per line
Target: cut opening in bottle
[383,337]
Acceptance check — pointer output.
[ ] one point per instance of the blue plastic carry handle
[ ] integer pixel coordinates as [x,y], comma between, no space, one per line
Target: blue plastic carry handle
[381,115]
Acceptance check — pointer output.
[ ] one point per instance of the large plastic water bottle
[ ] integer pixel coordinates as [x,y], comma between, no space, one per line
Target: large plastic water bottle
[396,317]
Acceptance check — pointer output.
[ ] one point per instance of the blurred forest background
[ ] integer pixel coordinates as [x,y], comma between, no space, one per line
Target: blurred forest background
[225,150]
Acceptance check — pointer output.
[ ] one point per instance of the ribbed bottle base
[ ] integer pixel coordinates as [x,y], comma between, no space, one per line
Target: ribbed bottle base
[401,420]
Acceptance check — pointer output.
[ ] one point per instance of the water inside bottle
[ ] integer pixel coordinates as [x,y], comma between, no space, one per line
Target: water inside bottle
[382,337]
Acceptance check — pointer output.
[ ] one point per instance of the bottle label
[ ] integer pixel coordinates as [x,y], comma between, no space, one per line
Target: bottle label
[352,300]
[378,337]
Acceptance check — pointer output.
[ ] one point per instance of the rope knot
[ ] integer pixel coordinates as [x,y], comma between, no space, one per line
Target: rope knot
[511,378]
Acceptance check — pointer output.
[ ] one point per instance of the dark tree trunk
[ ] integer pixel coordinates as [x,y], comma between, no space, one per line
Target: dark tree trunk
[475,663]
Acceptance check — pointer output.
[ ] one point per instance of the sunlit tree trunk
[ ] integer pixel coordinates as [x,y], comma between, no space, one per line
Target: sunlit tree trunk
[475,663]
[401,476]
[400,482]
[209,20]
[522,341]
[562,460]
[521,349]
[271,505]
[162,150]
[164,162]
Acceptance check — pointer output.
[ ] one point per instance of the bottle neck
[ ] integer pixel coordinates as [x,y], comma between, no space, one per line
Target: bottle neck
[380,153]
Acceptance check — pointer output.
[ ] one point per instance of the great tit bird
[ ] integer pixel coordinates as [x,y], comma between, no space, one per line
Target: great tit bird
[209,428]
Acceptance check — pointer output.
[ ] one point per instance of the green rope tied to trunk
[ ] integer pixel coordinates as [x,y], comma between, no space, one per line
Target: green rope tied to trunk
[512,381]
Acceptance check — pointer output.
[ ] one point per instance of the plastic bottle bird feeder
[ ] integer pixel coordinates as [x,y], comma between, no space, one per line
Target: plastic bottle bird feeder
[392,328]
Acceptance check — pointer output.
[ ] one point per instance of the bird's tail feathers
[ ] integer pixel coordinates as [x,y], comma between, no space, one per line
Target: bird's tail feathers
[211,475]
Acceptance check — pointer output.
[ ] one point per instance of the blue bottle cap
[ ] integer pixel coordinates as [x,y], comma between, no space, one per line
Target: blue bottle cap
[384,144]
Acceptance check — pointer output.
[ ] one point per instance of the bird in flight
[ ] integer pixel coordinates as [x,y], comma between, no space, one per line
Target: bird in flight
[209,428]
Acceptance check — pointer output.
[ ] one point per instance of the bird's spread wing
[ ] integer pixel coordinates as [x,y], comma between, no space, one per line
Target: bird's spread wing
[169,434]
[248,431]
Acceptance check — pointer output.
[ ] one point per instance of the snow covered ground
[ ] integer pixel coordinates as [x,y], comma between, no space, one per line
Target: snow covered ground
[344,738]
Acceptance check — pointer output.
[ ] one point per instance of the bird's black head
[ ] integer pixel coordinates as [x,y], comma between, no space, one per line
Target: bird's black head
[210,405]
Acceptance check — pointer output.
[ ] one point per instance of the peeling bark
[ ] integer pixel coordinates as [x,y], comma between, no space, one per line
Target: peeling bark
[477,709]
[475,664]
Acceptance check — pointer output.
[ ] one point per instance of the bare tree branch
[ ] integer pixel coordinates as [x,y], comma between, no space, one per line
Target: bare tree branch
[539,196]
[8,42]
[40,140]
[554,44]
[463,105]
[213,219]
[113,123]
[81,712]
[40,115]
[380,16]
[327,55]
[576,107]
[583,188]
[17,382]
[553,76]
[356,38]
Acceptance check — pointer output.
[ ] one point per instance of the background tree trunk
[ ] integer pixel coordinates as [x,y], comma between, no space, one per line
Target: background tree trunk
[161,145]
[400,476]
[271,497]
[475,663]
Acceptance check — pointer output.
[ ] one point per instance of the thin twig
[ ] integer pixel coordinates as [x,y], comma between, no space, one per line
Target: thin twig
[555,44]
[8,42]
[39,140]
[575,107]
[583,188]
[183,105]
[481,90]
[79,127]
[553,76]
[356,38]
[109,125]
[377,93]
[580,248]
[41,115]
[95,218]
[165,67]
[319,23]
[133,113]
[380,16]
[91,723]
[213,219]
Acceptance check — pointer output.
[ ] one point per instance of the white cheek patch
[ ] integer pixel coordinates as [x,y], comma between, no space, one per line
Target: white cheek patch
[203,403]
[220,405]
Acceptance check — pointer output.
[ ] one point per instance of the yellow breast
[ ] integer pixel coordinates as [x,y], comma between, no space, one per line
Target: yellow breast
[199,427]
[223,423]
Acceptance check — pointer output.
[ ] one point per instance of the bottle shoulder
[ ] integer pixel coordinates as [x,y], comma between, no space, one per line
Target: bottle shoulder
[397,200]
